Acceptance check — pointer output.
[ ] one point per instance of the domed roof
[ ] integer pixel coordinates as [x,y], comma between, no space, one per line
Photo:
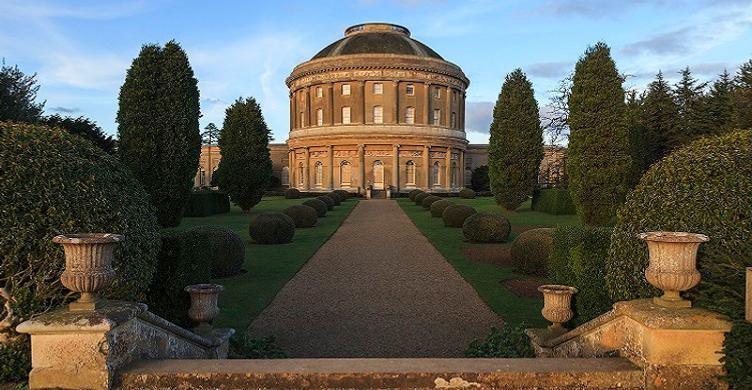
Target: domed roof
[377,38]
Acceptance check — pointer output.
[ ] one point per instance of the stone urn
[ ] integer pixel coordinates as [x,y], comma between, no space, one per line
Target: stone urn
[557,306]
[204,305]
[673,265]
[88,265]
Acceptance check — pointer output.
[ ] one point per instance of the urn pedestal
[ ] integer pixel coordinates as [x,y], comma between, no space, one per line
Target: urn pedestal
[557,306]
[88,266]
[673,265]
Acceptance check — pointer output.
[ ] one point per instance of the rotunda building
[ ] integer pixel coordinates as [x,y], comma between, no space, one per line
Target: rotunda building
[377,109]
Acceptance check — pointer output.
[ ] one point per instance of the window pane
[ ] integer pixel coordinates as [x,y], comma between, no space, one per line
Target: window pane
[319,117]
[319,92]
[302,119]
[436,117]
[454,119]
[410,115]
[410,89]
[345,115]
[378,114]
[346,89]
[378,89]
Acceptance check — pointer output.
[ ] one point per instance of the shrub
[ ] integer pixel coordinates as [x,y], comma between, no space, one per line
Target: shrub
[317,205]
[467,193]
[428,201]
[344,195]
[530,251]
[510,342]
[15,360]
[185,258]
[292,193]
[456,214]
[334,197]
[303,216]
[272,228]
[737,348]
[243,347]
[227,250]
[327,200]
[413,193]
[418,199]
[438,207]
[53,183]
[556,201]
[205,203]
[578,259]
[486,227]
[702,187]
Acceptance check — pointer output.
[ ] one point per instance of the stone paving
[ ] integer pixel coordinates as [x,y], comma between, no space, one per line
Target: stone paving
[377,288]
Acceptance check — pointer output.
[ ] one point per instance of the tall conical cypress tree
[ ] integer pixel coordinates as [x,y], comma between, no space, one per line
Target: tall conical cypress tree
[515,149]
[638,148]
[246,167]
[659,118]
[159,138]
[692,119]
[718,104]
[742,97]
[598,158]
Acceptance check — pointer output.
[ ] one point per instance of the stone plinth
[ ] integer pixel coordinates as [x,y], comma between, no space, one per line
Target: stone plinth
[677,347]
[85,349]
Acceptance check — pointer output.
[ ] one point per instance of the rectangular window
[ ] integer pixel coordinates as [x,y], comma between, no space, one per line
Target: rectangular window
[410,90]
[345,89]
[437,93]
[319,117]
[378,114]
[319,92]
[454,119]
[346,115]
[378,89]
[436,117]
[410,115]
[302,119]
[454,96]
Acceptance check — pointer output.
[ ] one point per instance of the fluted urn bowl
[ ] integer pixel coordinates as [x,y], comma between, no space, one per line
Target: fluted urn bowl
[557,306]
[673,264]
[204,304]
[88,265]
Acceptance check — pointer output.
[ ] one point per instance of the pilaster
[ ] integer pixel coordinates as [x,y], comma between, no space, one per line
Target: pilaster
[395,167]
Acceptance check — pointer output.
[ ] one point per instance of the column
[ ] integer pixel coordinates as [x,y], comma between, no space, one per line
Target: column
[290,169]
[330,91]
[427,167]
[448,105]
[396,101]
[461,168]
[462,108]
[427,104]
[330,154]
[292,111]
[448,168]
[362,167]
[306,171]
[363,101]
[308,107]
[395,167]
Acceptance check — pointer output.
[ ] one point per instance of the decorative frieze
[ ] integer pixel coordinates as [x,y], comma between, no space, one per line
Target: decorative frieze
[345,153]
[377,74]
[378,153]
[410,153]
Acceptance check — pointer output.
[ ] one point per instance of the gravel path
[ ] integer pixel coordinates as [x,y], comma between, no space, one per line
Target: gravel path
[377,288]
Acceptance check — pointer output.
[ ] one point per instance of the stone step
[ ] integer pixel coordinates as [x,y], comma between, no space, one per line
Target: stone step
[552,373]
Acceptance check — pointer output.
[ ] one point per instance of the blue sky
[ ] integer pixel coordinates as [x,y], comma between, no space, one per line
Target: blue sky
[81,49]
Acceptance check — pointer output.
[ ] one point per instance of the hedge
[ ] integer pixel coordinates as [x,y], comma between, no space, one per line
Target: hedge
[184,259]
[702,187]
[272,228]
[205,203]
[227,250]
[578,259]
[486,227]
[555,201]
[530,251]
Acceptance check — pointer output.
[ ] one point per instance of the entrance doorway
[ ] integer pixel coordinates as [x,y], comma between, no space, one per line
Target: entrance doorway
[378,175]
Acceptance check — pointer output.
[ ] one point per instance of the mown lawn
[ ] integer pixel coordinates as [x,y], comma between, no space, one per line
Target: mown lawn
[268,267]
[487,278]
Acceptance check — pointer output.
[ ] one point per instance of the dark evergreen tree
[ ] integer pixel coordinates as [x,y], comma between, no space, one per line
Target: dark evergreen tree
[638,147]
[479,179]
[692,119]
[659,119]
[718,104]
[598,161]
[158,127]
[742,97]
[245,169]
[515,149]
[18,94]
[85,128]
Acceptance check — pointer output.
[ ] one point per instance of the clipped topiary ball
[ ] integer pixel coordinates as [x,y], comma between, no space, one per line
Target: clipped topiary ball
[272,228]
[438,207]
[419,198]
[303,216]
[343,195]
[292,193]
[327,200]
[486,227]
[428,201]
[317,205]
[52,183]
[455,215]
[337,200]
[413,193]
[530,251]
[467,193]
[227,250]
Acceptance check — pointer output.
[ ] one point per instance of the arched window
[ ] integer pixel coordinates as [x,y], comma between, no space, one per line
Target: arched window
[301,174]
[285,176]
[454,174]
[319,168]
[410,173]
[410,115]
[378,114]
[436,170]
[345,174]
